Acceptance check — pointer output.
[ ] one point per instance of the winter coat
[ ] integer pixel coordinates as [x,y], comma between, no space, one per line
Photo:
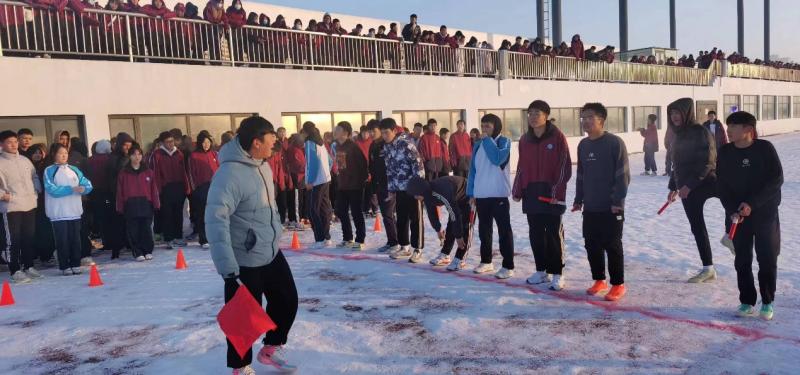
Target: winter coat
[242,221]
[489,175]
[377,166]
[650,138]
[137,193]
[694,152]
[402,162]
[434,155]
[295,162]
[318,164]
[97,172]
[543,170]
[169,168]
[352,166]
[719,133]
[60,202]
[18,178]
[460,148]
[202,166]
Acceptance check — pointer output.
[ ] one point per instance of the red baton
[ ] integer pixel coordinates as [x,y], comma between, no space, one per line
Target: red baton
[552,201]
[664,207]
[734,226]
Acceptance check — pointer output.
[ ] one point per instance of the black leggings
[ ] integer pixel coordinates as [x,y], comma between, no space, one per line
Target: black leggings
[693,206]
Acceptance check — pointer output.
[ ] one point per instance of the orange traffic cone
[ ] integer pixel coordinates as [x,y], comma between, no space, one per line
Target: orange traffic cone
[180,262]
[94,277]
[7,299]
[295,241]
[377,228]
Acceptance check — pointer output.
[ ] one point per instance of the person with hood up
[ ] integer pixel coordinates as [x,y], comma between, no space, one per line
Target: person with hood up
[352,177]
[170,175]
[244,231]
[318,183]
[650,136]
[114,239]
[137,201]
[460,148]
[693,180]
[489,186]
[543,171]
[19,188]
[203,163]
[433,152]
[714,126]
[403,162]
[236,15]
[450,192]
[750,180]
[601,187]
[64,185]
[576,45]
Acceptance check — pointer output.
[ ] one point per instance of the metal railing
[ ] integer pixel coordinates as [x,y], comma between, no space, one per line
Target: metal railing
[763,72]
[100,34]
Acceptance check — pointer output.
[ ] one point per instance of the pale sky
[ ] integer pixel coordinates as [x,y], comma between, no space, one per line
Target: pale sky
[702,24]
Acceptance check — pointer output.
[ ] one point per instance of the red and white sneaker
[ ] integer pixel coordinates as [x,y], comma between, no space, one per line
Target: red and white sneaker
[274,356]
[246,370]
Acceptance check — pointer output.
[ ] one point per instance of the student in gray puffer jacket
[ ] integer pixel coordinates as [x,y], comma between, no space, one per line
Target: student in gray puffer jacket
[243,228]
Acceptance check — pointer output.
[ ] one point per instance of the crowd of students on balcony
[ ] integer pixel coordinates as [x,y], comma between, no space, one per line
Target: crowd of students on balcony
[705,59]
[574,50]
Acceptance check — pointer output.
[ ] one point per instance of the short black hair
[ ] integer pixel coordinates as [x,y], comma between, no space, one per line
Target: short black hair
[442,27]
[413,15]
[432,121]
[418,124]
[362,129]
[359,26]
[176,133]
[345,126]
[372,124]
[24,131]
[652,117]
[460,122]
[741,118]
[388,124]
[164,135]
[392,25]
[444,131]
[711,113]
[541,106]
[251,128]
[7,134]
[597,108]
[135,147]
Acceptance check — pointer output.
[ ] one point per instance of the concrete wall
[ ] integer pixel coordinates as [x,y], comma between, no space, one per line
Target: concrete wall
[97,89]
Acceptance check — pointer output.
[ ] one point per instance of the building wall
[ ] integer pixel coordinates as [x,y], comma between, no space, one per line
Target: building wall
[98,89]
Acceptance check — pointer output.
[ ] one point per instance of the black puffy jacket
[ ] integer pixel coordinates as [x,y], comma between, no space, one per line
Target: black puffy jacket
[694,151]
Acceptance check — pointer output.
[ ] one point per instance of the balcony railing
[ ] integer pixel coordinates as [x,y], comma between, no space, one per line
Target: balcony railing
[100,34]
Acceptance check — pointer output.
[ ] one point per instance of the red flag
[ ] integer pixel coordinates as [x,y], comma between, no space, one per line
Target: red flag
[243,320]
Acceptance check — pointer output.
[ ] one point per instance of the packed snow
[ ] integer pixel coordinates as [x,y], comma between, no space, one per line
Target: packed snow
[362,313]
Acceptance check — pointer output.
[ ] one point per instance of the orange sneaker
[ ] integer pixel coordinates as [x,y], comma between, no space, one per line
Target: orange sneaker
[599,286]
[616,292]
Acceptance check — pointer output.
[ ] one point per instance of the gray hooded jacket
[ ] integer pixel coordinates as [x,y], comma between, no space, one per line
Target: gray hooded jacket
[242,222]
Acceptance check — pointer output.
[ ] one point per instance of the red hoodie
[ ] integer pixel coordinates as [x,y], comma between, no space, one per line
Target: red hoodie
[364,144]
[158,25]
[202,166]
[460,147]
[430,147]
[169,169]
[98,172]
[544,169]
[208,14]
[295,162]
[136,184]
[236,18]
[279,176]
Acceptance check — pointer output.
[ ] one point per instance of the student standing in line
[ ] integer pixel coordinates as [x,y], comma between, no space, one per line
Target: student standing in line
[380,185]
[460,148]
[168,165]
[203,163]
[431,151]
[138,200]
[352,177]
[318,183]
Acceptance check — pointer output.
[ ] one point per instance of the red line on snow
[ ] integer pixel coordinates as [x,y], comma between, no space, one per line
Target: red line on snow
[746,333]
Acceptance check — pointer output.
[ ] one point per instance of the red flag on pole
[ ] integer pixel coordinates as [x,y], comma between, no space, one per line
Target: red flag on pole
[243,320]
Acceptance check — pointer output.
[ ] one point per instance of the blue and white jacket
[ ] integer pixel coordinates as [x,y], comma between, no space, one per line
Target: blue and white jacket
[318,164]
[60,202]
[489,172]
[402,162]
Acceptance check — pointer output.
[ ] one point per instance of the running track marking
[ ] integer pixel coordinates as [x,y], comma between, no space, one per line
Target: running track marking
[748,334]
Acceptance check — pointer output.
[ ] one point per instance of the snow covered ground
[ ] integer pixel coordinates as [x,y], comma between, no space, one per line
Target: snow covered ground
[365,314]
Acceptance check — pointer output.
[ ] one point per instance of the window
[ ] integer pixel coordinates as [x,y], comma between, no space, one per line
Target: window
[146,128]
[444,118]
[796,107]
[514,121]
[702,109]
[768,107]
[750,105]
[325,121]
[568,120]
[640,115]
[43,127]
[615,122]
[783,107]
[731,103]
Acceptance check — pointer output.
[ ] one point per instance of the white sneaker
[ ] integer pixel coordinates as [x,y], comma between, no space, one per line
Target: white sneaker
[33,273]
[327,243]
[345,244]
[727,242]
[557,283]
[357,246]
[504,273]
[705,275]
[66,272]
[140,258]
[484,268]
[416,256]
[274,356]
[205,246]
[457,265]
[538,277]
[390,249]
[441,260]
[76,270]
[87,262]
[148,256]
[246,370]
[403,253]
[20,277]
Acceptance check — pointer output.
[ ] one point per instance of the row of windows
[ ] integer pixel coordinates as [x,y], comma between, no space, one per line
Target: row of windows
[44,128]
[515,121]
[772,107]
